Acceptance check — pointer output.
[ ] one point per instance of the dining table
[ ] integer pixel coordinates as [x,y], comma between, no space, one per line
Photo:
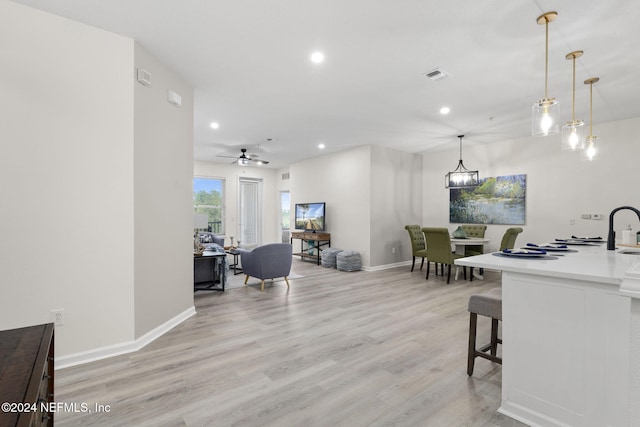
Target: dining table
[461,243]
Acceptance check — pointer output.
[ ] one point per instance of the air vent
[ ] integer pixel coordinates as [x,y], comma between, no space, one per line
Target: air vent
[144,77]
[437,74]
[285,176]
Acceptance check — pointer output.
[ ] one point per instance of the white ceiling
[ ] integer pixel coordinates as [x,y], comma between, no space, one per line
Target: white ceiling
[248,62]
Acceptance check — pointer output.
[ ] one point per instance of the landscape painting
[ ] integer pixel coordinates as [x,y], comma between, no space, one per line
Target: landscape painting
[498,200]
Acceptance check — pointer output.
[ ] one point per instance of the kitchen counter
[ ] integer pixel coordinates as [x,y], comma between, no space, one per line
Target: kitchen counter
[571,333]
[590,263]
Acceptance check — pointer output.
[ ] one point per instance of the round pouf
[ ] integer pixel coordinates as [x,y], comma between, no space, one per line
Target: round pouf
[348,261]
[329,257]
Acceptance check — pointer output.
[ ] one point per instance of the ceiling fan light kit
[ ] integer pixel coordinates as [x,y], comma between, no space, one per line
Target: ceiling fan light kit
[244,160]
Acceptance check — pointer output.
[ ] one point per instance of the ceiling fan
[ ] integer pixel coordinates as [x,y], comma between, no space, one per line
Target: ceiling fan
[246,160]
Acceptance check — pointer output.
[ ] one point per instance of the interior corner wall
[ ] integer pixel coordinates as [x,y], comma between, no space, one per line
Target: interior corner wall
[343,181]
[396,200]
[560,186]
[163,206]
[271,227]
[66,174]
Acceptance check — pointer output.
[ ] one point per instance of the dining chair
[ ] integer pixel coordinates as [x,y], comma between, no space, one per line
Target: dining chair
[509,238]
[474,230]
[418,247]
[439,249]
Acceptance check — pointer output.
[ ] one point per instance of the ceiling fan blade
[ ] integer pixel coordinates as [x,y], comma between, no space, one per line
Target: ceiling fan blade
[229,157]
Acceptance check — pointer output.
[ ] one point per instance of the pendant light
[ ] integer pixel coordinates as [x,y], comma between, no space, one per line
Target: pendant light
[461,177]
[572,131]
[591,143]
[545,111]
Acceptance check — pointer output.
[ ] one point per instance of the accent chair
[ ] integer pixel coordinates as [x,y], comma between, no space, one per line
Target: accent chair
[474,230]
[439,249]
[509,238]
[418,246]
[267,262]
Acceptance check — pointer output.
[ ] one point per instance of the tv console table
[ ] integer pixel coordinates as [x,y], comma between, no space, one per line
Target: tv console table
[314,243]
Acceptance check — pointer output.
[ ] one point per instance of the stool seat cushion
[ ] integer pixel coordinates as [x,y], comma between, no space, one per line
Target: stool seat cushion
[487,304]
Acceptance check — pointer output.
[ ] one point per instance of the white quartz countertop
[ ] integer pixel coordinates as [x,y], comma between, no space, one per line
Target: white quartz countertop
[589,263]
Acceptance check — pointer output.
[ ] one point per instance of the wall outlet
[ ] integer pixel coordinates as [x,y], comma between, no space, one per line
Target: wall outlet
[57,318]
[596,216]
[393,250]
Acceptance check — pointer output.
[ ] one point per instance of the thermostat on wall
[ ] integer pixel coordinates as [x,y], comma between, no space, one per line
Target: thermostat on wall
[174,98]
[144,77]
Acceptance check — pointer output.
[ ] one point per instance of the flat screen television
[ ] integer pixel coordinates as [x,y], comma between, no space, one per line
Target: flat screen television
[310,216]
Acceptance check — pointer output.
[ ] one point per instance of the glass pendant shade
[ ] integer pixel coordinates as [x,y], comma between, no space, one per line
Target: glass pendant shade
[573,130]
[573,135]
[590,151]
[546,111]
[545,117]
[461,177]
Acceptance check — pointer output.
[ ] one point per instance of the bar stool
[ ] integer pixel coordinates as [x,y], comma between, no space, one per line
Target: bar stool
[486,304]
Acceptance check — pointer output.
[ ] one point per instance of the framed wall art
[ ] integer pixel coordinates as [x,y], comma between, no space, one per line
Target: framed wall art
[499,200]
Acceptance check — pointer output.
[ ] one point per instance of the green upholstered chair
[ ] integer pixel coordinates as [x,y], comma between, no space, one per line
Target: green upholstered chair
[509,238]
[439,249]
[418,247]
[474,230]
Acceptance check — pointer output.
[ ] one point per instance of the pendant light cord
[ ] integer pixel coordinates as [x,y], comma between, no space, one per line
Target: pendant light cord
[591,109]
[573,105]
[546,58]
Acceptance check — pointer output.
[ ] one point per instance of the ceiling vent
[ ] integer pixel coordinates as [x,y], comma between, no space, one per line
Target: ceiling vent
[437,74]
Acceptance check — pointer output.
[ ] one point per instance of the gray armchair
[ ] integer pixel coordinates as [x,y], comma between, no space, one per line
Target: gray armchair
[267,262]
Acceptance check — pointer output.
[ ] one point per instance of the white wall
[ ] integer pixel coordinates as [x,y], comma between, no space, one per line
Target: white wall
[82,177]
[396,200]
[560,187]
[343,181]
[270,196]
[66,174]
[163,168]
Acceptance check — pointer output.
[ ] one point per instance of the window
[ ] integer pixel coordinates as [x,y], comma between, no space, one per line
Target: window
[208,198]
[285,217]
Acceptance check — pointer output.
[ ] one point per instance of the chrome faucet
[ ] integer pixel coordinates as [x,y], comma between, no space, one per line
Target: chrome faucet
[611,239]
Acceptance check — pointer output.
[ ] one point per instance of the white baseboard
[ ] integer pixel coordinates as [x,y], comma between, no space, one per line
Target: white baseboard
[62,362]
[387,266]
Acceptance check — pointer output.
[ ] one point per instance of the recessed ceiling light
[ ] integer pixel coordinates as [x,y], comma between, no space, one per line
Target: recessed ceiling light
[445,110]
[321,146]
[317,57]
[215,125]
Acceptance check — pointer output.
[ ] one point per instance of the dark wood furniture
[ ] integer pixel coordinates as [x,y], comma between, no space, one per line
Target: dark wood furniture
[26,376]
[235,253]
[311,244]
[209,271]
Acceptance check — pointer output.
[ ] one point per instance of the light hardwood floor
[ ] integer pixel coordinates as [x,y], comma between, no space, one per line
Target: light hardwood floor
[381,348]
